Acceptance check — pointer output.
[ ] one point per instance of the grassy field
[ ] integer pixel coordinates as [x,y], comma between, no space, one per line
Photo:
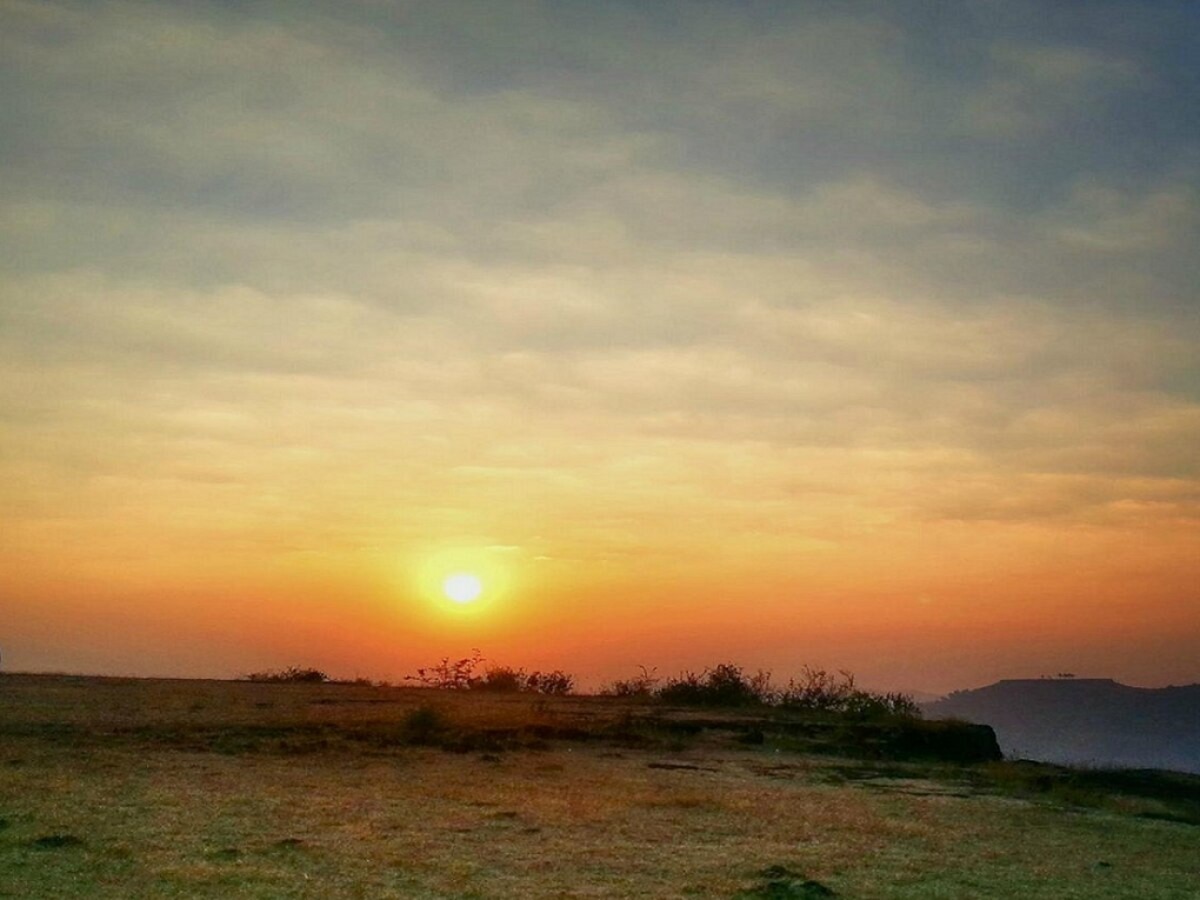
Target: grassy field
[132,788]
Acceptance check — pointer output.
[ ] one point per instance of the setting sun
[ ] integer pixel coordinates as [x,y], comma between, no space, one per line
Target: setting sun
[462,587]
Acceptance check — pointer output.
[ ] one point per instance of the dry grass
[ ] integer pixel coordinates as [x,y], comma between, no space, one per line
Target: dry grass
[129,770]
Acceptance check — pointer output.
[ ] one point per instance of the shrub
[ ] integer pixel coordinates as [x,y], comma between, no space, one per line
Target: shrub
[447,675]
[502,679]
[817,690]
[722,685]
[460,675]
[292,674]
[893,703]
[641,685]
[508,680]
[557,683]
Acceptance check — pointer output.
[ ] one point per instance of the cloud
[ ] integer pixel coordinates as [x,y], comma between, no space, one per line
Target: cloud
[1103,219]
[1034,89]
[763,265]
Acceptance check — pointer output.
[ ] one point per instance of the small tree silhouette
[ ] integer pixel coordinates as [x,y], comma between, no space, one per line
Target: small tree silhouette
[454,676]
[461,674]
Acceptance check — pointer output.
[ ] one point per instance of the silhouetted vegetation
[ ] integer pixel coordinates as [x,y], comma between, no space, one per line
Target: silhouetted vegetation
[501,679]
[723,685]
[292,674]
[461,675]
[458,675]
[557,683]
[814,690]
[358,682]
[508,680]
[640,685]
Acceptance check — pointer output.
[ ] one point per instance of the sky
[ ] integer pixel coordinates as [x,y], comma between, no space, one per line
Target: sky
[856,335]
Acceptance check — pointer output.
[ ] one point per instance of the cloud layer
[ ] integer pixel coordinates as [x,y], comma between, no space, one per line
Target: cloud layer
[595,282]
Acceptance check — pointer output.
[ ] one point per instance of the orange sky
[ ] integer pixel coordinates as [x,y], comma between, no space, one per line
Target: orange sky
[774,335]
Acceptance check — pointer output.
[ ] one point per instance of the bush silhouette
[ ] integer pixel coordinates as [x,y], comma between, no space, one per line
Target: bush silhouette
[817,690]
[508,680]
[501,679]
[460,675]
[556,683]
[447,675]
[292,674]
[723,685]
[814,691]
[727,684]
[640,685]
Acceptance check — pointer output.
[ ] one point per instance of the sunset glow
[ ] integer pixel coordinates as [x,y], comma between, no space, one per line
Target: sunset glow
[601,335]
[462,587]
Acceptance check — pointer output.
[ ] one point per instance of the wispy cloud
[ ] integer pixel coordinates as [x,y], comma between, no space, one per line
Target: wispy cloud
[592,281]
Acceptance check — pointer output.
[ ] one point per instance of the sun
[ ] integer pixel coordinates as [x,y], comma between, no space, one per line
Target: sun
[462,587]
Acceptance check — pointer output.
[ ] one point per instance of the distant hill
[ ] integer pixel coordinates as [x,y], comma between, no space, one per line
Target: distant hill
[1086,720]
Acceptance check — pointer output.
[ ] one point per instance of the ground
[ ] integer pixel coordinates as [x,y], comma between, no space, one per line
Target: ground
[220,789]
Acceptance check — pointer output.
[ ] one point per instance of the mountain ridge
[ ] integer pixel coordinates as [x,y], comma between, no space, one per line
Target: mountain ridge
[1089,721]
